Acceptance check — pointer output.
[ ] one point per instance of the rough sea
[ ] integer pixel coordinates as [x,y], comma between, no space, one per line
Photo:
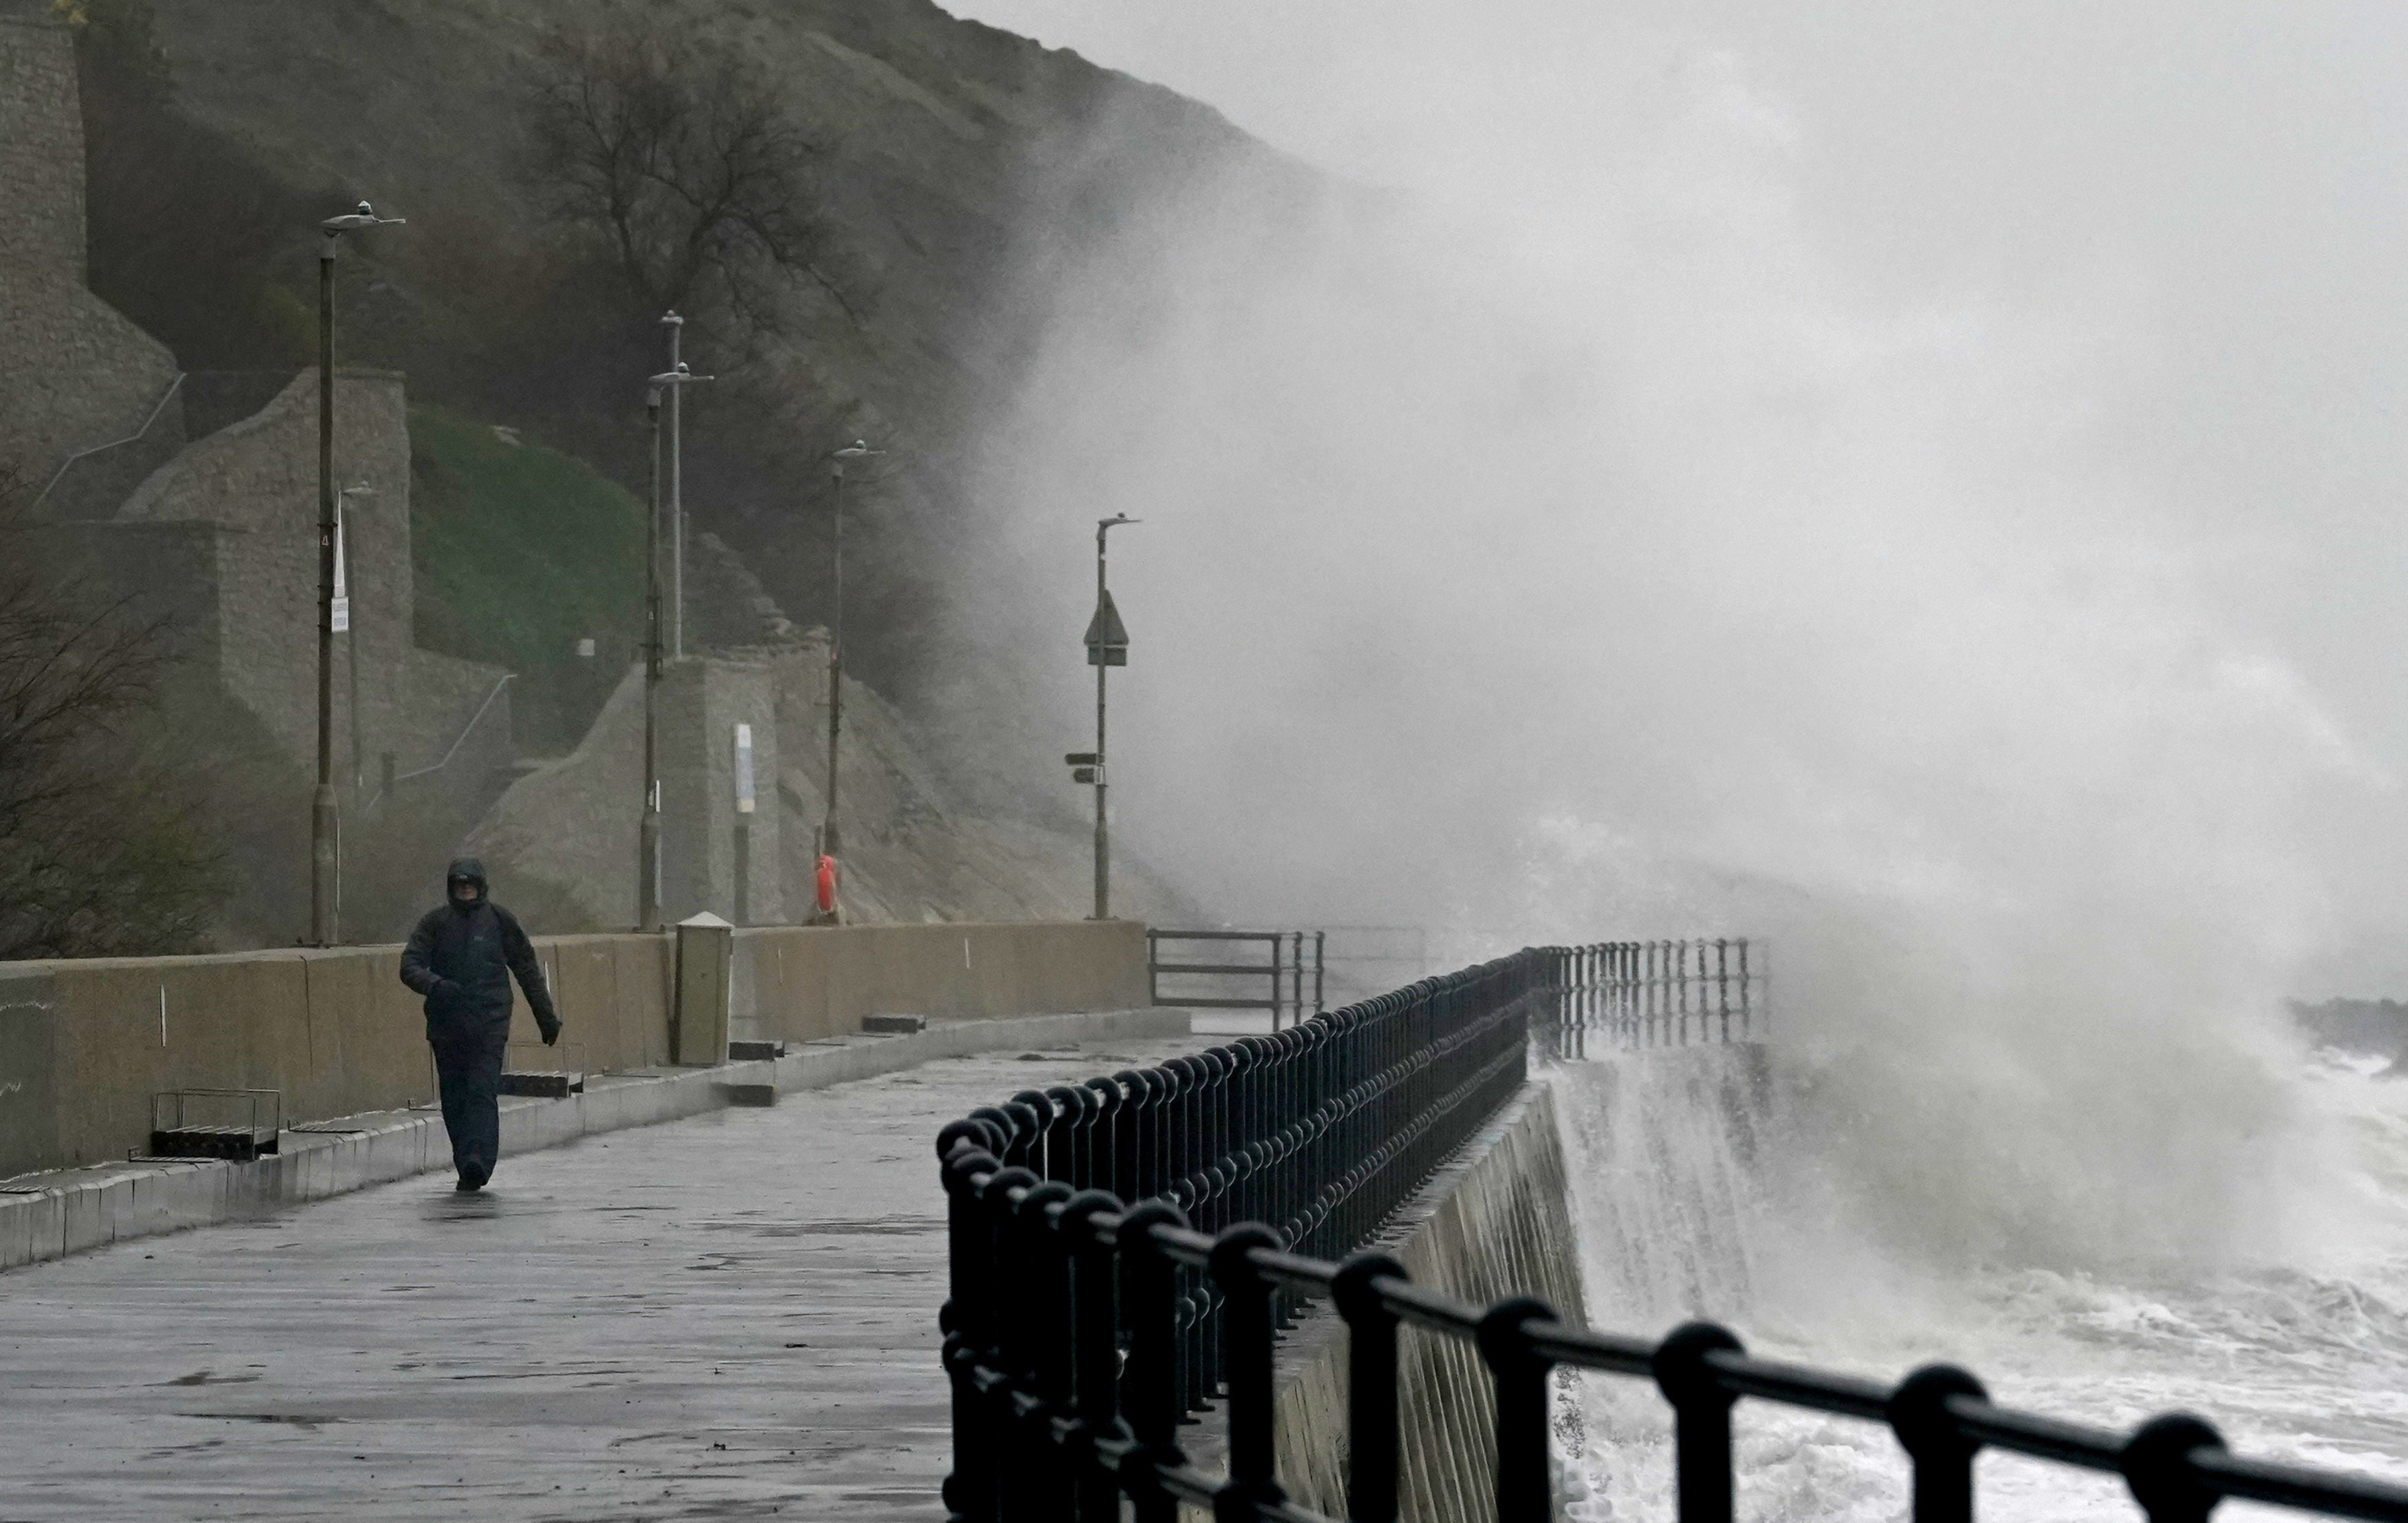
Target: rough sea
[1695,1194]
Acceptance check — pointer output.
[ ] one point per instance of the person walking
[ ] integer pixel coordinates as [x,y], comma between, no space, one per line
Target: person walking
[461,959]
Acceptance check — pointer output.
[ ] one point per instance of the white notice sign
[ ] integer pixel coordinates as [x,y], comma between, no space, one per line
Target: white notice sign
[743,768]
[342,610]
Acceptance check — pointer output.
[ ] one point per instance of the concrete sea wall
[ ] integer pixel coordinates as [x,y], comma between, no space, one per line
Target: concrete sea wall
[1496,1222]
[85,1044]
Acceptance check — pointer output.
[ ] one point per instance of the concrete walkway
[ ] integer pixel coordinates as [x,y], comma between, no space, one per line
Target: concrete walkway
[727,1316]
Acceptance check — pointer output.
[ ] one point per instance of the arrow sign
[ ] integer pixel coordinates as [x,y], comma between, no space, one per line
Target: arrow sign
[1107,637]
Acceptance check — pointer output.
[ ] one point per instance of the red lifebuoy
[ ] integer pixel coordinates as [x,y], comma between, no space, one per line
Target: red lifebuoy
[827,884]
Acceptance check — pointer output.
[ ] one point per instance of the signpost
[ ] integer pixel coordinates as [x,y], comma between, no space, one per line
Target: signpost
[1106,642]
[743,824]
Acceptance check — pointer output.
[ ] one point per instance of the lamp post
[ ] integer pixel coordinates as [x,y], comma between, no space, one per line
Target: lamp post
[676,325]
[347,585]
[1106,642]
[648,830]
[857,449]
[323,823]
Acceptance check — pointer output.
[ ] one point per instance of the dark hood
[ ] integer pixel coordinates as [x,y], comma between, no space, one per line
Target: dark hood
[467,868]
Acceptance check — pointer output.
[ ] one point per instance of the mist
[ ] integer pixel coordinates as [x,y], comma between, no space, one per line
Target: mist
[1656,493]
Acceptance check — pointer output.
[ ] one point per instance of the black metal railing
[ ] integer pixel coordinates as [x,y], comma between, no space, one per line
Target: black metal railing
[1655,994]
[1323,1129]
[1295,981]
[1081,1330]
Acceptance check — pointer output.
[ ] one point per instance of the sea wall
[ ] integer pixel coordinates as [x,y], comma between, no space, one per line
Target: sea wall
[86,1045]
[1496,1222]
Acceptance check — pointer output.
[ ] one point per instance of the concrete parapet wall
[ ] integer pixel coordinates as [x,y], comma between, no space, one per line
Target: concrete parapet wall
[42,1220]
[85,1044]
[797,983]
[1495,1223]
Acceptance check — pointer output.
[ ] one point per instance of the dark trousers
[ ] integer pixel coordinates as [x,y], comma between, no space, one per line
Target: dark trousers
[469,1067]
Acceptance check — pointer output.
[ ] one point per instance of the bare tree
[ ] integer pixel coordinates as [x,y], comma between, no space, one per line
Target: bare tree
[100,852]
[684,163]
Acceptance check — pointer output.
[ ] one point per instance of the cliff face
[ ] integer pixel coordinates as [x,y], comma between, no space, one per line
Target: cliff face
[561,841]
[954,165]
[931,135]
[950,165]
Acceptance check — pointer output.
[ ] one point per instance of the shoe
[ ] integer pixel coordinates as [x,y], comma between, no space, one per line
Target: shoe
[467,1184]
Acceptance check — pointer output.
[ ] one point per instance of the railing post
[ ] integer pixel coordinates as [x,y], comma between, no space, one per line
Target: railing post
[1129,1121]
[1062,1134]
[1702,1419]
[1746,1010]
[1028,1149]
[1150,1385]
[1943,1458]
[1371,1456]
[1246,1340]
[2157,1466]
[1095,1354]
[1045,1304]
[1101,1133]
[1681,988]
[968,1322]
[1520,1374]
[1011,1350]
[1722,984]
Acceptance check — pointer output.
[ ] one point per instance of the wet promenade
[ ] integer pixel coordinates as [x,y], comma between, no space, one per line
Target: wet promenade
[728,1316]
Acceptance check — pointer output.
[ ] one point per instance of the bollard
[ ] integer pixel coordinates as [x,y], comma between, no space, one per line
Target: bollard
[705,982]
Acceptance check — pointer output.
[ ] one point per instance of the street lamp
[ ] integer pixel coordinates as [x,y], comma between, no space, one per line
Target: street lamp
[857,449]
[648,833]
[323,824]
[1106,642]
[676,325]
[347,585]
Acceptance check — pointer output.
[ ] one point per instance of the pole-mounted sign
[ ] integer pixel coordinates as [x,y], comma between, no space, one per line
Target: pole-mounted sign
[1107,637]
[1106,642]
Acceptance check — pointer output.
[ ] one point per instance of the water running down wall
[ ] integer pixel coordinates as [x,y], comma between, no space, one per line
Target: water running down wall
[1698,1190]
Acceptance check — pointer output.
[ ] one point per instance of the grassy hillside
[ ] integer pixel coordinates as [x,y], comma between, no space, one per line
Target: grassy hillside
[519,551]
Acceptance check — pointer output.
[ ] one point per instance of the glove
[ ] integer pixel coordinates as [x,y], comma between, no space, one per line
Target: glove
[552,1033]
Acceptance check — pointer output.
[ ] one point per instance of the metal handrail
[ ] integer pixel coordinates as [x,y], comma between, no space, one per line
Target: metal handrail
[1286,970]
[160,406]
[1082,1329]
[1657,994]
[457,741]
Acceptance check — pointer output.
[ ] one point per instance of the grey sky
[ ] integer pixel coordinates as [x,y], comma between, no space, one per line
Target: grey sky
[2239,173]
[1941,453]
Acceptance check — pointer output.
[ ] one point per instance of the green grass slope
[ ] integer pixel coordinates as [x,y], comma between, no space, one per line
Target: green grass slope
[517,553]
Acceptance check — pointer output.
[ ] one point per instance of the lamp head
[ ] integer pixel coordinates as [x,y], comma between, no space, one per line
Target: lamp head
[352,222]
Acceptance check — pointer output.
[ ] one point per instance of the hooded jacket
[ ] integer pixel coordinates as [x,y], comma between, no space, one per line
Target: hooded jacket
[461,959]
